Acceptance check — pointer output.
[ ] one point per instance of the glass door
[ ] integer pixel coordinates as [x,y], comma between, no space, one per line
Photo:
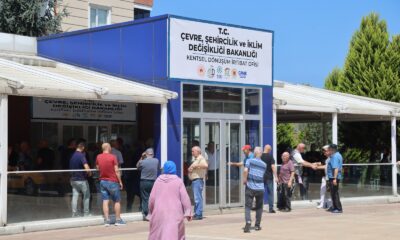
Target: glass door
[212,152]
[221,141]
[233,176]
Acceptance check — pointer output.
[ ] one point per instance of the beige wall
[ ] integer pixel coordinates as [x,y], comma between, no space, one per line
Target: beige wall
[121,11]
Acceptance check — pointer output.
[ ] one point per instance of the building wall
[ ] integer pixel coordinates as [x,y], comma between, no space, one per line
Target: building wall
[121,11]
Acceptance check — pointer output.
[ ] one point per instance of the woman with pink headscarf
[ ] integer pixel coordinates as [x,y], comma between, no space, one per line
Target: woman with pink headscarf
[169,205]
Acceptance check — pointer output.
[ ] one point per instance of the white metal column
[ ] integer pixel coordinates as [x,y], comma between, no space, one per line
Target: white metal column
[164,133]
[3,158]
[394,153]
[274,148]
[335,128]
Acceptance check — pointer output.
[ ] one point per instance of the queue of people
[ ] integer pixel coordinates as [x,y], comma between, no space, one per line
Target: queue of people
[164,199]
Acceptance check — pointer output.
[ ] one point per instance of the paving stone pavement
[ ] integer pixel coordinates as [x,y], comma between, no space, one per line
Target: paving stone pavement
[357,222]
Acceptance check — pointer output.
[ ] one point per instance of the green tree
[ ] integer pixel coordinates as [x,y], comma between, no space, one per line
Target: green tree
[33,18]
[285,135]
[333,79]
[371,69]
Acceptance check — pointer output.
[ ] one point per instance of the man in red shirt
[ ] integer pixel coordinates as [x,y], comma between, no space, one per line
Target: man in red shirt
[110,183]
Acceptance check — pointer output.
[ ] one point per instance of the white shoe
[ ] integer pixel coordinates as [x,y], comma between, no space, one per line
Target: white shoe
[320,206]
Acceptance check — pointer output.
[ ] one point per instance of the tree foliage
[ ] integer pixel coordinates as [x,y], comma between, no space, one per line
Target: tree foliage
[33,18]
[371,69]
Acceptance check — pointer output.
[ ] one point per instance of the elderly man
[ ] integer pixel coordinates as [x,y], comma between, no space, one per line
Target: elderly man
[197,172]
[299,163]
[269,175]
[253,178]
[286,177]
[148,167]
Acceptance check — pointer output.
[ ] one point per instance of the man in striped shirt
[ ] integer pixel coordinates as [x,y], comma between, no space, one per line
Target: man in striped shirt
[253,178]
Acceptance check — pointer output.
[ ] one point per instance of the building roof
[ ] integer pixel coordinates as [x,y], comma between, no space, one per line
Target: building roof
[298,103]
[29,75]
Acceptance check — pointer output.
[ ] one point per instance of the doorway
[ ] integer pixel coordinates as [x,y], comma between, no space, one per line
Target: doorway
[221,141]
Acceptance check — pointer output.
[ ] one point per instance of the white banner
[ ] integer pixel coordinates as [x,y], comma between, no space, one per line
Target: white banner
[211,52]
[51,108]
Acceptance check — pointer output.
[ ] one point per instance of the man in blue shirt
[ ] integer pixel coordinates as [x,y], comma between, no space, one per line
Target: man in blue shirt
[334,171]
[253,178]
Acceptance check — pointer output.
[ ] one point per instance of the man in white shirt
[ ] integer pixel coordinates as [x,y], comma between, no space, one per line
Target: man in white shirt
[212,156]
[299,163]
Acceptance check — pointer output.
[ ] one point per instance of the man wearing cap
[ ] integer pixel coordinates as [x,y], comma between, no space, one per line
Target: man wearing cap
[148,167]
[334,171]
[248,155]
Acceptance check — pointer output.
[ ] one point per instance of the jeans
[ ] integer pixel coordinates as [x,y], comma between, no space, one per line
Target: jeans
[77,188]
[197,187]
[110,190]
[145,189]
[336,204]
[250,194]
[270,190]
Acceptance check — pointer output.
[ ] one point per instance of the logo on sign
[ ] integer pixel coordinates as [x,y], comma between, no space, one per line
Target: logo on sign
[211,72]
[242,74]
[227,72]
[234,73]
[201,70]
[220,71]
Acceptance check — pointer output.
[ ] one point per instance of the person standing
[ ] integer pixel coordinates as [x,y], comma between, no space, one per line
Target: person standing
[148,165]
[169,205]
[45,156]
[269,175]
[197,172]
[212,157]
[299,163]
[248,155]
[323,200]
[253,179]
[334,171]
[67,152]
[78,180]
[110,184]
[116,152]
[286,179]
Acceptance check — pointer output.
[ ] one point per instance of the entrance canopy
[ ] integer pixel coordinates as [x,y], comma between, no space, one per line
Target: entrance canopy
[300,103]
[28,75]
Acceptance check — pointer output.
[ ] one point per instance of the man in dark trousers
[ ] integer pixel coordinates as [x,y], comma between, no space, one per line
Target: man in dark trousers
[253,179]
[148,166]
[334,171]
[269,175]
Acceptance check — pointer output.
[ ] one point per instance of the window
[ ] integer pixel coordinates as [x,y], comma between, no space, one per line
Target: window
[141,13]
[222,99]
[191,98]
[99,16]
[252,101]
[253,133]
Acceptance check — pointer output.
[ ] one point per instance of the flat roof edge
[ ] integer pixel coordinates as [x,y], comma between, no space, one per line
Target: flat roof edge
[144,21]
[106,27]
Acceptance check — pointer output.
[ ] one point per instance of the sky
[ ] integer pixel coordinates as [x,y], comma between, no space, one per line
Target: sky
[311,37]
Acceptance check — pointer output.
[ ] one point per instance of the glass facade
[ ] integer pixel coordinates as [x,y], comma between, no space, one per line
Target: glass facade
[252,100]
[222,99]
[191,98]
